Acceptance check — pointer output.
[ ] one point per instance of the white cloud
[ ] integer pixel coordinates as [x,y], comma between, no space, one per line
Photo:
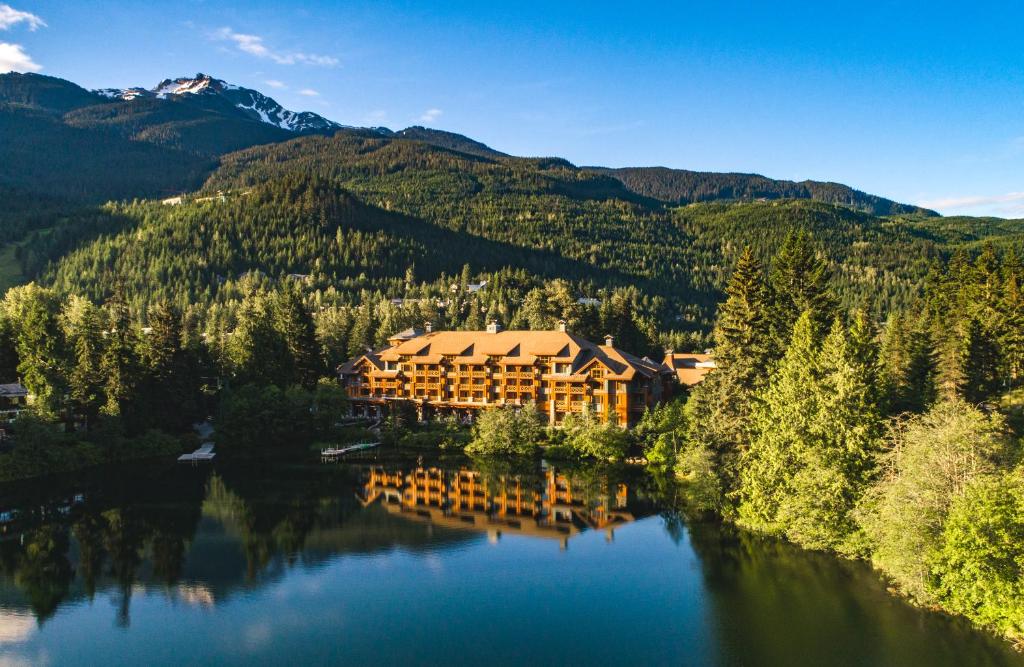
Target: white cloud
[14,59]
[309,92]
[1011,204]
[431,115]
[9,16]
[254,46]
[274,83]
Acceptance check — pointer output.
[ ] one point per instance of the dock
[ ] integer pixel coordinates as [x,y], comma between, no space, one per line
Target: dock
[204,453]
[335,452]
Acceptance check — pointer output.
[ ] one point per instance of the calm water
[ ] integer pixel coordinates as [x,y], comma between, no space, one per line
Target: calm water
[393,560]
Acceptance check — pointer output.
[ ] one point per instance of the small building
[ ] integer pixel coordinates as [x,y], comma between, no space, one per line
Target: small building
[462,372]
[13,399]
[690,368]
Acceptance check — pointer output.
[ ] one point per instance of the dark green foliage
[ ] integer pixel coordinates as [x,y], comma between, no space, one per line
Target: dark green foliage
[721,407]
[978,568]
[253,416]
[799,283]
[506,430]
[680,186]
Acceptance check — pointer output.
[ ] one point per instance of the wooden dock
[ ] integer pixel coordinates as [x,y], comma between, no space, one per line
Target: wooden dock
[204,453]
[334,452]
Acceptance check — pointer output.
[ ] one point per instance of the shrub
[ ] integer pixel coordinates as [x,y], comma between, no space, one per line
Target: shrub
[978,570]
[506,430]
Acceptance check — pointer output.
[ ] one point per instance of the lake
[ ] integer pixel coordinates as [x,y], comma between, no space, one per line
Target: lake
[397,560]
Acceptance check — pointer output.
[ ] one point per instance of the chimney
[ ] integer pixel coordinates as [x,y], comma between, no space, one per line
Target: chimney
[561,326]
[428,327]
[608,341]
[493,327]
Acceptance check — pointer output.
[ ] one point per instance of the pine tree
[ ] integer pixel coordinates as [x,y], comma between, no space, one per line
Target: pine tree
[785,423]
[255,350]
[720,408]
[363,330]
[81,322]
[32,313]
[982,369]
[298,332]
[1011,337]
[120,360]
[799,282]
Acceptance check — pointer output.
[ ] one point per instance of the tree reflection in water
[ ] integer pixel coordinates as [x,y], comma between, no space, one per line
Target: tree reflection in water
[200,535]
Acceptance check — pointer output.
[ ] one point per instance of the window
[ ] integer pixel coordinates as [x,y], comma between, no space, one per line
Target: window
[563,369]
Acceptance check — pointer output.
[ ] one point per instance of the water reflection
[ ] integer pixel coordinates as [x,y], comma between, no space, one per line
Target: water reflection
[398,560]
[550,504]
[200,536]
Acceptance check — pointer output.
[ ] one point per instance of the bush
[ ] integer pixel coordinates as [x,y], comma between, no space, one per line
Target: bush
[589,438]
[662,433]
[506,430]
[979,567]
[932,460]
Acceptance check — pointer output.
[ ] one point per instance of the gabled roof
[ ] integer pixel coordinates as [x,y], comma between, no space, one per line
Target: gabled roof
[373,358]
[13,390]
[511,348]
[690,368]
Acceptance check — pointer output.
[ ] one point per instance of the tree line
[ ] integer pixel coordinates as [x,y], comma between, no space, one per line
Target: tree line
[886,442]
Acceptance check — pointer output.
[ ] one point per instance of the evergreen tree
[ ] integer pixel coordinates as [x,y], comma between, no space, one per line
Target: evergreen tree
[82,325]
[982,369]
[120,361]
[799,282]
[255,350]
[363,330]
[1011,336]
[32,312]
[786,427]
[298,332]
[720,408]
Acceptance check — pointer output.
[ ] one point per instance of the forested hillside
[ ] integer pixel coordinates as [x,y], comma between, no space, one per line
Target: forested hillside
[392,226]
[681,186]
[401,223]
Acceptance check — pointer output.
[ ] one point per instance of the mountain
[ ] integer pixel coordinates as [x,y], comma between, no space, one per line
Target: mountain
[450,140]
[363,216]
[64,141]
[680,186]
[252,103]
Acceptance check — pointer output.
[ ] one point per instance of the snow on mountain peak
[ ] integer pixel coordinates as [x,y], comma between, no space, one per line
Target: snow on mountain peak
[182,86]
[252,103]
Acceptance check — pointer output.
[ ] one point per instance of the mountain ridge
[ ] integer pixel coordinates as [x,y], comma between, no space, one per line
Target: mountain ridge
[206,118]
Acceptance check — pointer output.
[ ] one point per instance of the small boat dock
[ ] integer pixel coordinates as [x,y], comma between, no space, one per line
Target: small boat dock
[204,453]
[331,453]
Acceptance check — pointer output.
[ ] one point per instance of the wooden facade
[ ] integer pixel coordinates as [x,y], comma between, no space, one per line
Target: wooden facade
[549,506]
[461,372]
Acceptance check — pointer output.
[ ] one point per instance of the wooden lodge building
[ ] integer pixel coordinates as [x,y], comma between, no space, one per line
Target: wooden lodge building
[461,372]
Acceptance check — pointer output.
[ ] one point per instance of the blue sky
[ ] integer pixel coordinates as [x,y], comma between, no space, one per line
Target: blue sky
[920,102]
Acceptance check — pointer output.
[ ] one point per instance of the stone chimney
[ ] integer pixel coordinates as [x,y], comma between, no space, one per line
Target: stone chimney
[561,326]
[493,327]
[609,341]
[428,327]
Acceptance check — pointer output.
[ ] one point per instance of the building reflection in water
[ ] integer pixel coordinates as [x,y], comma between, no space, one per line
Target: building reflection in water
[550,505]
